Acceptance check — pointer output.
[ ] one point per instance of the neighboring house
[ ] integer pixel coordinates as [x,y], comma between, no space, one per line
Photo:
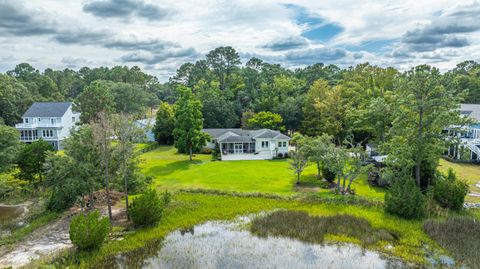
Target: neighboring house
[239,144]
[50,121]
[147,126]
[468,137]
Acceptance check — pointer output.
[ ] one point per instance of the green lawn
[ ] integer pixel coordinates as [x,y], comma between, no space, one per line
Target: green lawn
[174,171]
[466,171]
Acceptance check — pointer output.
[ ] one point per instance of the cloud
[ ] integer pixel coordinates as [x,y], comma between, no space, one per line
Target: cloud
[315,55]
[18,21]
[148,45]
[125,9]
[160,56]
[287,44]
[449,29]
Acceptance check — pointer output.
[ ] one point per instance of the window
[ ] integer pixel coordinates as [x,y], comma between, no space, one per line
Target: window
[73,119]
[26,120]
[279,144]
[47,133]
[266,144]
[263,144]
[39,119]
[284,143]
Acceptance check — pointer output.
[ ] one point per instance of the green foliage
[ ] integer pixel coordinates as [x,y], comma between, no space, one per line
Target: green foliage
[14,99]
[423,108]
[328,174]
[65,184]
[89,232]
[95,98]
[216,110]
[266,119]
[9,146]
[405,199]
[216,155]
[164,124]
[298,162]
[188,133]
[147,209]
[449,191]
[31,159]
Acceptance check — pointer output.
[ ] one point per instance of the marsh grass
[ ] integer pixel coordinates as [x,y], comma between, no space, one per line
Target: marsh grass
[313,229]
[459,235]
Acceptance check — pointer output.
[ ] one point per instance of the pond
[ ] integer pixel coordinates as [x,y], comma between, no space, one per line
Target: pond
[230,245]
[8,213]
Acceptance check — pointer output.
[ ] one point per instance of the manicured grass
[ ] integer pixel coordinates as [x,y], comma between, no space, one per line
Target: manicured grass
[466,171]
[188,209]
[174,171]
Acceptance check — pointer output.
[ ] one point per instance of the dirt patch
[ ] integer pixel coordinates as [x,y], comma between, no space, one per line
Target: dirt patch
[52,238]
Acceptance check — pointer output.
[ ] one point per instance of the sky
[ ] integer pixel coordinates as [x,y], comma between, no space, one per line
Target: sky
[159,36]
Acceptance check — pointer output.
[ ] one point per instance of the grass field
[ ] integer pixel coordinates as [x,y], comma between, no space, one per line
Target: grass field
[466,171]
[189,209]
[174,171]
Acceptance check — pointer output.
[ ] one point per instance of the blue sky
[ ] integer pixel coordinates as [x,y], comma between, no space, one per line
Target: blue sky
[159,36]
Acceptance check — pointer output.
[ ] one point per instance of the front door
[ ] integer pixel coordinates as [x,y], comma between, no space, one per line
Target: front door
[238,148]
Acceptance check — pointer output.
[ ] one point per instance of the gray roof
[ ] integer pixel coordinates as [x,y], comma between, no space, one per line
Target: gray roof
[47,109]
[470,110]
[240,135]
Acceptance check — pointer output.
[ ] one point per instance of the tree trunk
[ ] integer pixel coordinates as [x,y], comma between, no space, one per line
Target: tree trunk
[107,189]
[298,178]
[344,184]
[418,160]
[125,181]
[191,152]
[319,171]
[338,183]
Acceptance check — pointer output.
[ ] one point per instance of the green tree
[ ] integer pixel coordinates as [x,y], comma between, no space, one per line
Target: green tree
[266,119]
[95,98]
[164,124]
[126,131]
[223,61]
[9,146]
[317,150]
[129,98]
[14,99]
[216,110]
[102,132]
[298,162]
[86,158]
[188,133]
[89,232]
[424,108]
[31,159]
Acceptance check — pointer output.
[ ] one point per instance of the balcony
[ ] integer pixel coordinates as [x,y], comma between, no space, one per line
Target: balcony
[37,125]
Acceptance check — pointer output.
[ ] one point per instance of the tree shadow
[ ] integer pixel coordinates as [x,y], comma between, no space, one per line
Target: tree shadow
[171,167]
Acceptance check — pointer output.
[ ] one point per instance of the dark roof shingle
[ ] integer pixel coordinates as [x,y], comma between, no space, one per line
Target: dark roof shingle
[47,109]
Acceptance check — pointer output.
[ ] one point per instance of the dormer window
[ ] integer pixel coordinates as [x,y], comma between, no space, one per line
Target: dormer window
[26,120]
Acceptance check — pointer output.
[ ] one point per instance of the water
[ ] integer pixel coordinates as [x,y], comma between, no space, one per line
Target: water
[8,213]
[227,245]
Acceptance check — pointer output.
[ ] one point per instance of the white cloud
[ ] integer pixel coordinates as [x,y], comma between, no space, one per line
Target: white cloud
[69,36]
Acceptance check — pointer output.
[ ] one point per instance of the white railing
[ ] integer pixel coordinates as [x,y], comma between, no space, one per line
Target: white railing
[473,146]
[38,124]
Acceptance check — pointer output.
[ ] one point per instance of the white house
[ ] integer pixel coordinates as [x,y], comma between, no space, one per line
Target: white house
[50,121]
[468,136]
[147,126]
[239,144]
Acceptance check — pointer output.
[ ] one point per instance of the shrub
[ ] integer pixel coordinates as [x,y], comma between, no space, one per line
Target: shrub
[147,209]
[328,174]
[206,151]
[89,232]
[449,192]
[405,199]
[216,153]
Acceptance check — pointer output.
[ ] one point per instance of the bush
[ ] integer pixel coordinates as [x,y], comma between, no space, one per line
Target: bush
[405,199]
[449,192]
[328,174]
[206,151]
[147,209]
[88,233]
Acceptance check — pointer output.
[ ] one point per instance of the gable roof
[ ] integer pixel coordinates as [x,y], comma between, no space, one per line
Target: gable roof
[470,110]
[47,109]
[240,135]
